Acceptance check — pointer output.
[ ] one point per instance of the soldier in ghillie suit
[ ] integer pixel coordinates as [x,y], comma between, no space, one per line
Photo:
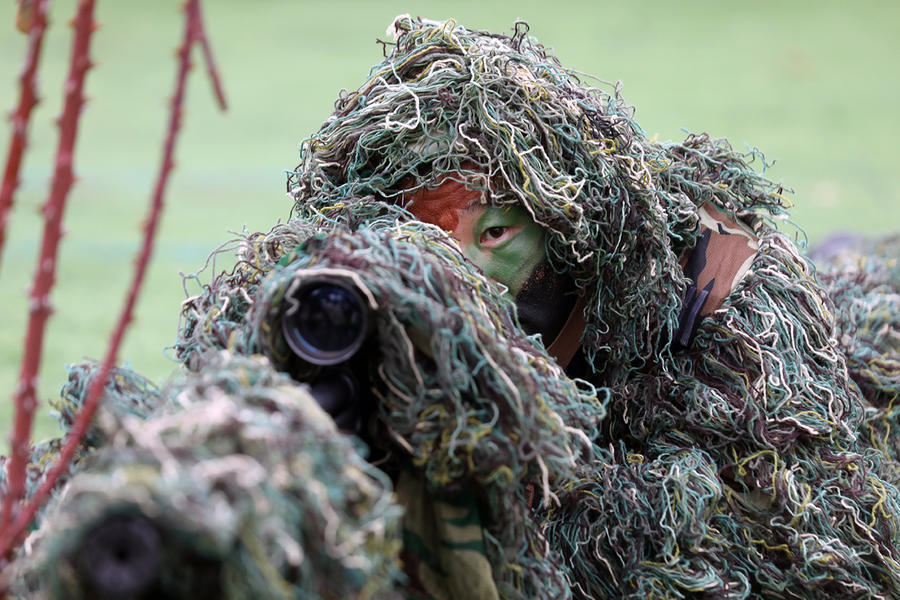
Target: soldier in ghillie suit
[696,433]
[737,457]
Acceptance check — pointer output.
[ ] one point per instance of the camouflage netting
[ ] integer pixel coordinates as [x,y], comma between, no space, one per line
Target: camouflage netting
[464,397]
[239,487]
[740,466]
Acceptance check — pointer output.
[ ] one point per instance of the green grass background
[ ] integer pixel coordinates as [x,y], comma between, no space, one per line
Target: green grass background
[814,85]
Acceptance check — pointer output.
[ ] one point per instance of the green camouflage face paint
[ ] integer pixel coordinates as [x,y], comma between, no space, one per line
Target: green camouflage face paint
[508,247]
[503,241]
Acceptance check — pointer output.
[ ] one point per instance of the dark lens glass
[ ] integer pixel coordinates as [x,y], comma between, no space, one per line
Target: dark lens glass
[329,323]
[121,556]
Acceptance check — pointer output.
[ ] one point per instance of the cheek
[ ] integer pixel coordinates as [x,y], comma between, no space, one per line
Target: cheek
[463,232]
[514,264]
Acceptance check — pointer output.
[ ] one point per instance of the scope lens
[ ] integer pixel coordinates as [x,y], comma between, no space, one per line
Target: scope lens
[329,323]
[121,556]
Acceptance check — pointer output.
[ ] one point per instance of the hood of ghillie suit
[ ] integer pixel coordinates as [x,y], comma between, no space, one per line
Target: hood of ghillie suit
[502,113]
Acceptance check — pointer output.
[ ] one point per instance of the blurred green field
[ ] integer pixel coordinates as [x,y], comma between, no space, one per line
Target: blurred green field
[813,85]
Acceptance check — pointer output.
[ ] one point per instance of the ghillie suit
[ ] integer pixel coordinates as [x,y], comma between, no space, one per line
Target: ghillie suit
[239,486]
[470,417]
[863,279]
[129,394]
[733,459]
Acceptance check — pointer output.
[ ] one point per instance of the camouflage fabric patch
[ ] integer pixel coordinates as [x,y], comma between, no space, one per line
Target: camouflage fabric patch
[443,546]
[715,266]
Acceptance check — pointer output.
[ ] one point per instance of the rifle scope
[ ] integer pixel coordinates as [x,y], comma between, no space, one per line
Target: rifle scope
[131,556]
[326,320]
[120,557]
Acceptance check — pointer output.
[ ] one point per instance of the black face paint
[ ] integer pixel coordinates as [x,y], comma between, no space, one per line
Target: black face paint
[545,301]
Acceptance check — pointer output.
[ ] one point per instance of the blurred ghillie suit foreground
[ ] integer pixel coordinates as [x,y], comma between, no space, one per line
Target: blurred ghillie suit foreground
[130,394]
[236,486]
[737,457]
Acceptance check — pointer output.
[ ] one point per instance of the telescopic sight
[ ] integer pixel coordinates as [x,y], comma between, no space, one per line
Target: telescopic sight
[325,320]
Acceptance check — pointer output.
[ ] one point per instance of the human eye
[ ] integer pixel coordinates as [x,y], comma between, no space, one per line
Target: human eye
[495,236]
